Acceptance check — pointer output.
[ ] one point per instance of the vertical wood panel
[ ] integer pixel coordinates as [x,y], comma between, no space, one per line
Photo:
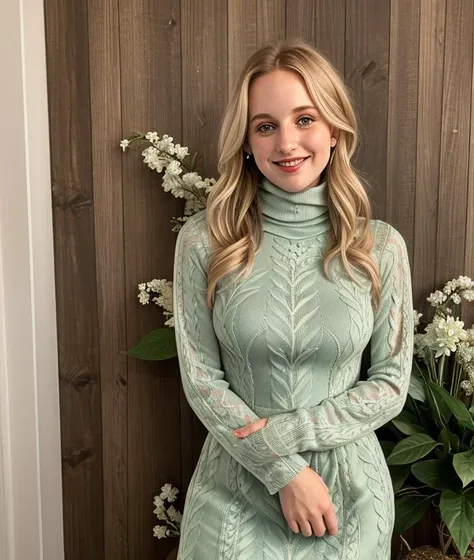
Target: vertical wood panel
[402,118]
[242,35]
[151,99]
[366,71]
[455,140]
[204,59]
[467,308]
[322,24]
[270,21]
[73,218]
[430,95]
[106,127]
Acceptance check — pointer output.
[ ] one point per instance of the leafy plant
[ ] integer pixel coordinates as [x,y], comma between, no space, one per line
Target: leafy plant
[430,445]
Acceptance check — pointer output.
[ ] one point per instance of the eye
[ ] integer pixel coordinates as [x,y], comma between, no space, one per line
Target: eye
[306,121]
[262,128]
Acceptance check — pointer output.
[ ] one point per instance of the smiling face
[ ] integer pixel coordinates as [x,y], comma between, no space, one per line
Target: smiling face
[287,136]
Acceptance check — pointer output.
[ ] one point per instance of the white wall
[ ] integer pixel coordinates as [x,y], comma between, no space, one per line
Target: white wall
[30,466]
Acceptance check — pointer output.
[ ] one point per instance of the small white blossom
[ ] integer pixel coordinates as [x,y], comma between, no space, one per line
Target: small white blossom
[456,298]
[124,144]
[416,318]
[152,137]
[468,295]
[436,298]
[158,502]
[181,151]
[169,492]
[175,515]
[159,531]
[160,513]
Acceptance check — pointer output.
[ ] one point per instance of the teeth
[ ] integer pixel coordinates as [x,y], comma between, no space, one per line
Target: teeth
[290,163]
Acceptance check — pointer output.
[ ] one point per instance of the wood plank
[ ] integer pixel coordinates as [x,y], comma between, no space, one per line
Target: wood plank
[455,138]
[270,21]
[106,128]
[151,100]
[205,86]
[322,24]
[242,35]
[428,142]
[366,72]
[76,283]
[402,118]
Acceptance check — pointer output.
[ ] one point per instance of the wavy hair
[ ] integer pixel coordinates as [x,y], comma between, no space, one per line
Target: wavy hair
[234,217]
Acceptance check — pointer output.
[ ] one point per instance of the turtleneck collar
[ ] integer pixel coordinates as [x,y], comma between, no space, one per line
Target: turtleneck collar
[297,215]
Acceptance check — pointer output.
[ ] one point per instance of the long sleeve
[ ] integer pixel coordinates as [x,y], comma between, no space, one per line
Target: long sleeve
[219,408]
[369,404]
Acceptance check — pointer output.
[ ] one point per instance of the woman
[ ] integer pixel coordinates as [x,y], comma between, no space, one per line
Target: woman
[279,285]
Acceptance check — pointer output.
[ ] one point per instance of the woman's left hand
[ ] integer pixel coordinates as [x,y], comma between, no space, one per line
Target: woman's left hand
[251,428]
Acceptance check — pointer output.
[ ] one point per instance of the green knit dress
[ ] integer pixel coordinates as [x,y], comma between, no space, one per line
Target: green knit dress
[286,344]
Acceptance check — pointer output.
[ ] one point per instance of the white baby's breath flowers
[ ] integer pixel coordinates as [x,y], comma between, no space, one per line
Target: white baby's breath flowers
[164,289]
[169,492]
[124,144]
[171,516]
[437,298]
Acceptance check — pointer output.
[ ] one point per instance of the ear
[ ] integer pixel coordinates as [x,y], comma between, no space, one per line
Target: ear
[246,147]
[333,141]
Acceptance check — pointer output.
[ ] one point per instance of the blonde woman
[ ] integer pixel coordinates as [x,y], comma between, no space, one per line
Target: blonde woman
[279,286]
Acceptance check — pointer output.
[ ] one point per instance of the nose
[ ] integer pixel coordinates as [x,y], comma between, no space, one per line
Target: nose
[287,141]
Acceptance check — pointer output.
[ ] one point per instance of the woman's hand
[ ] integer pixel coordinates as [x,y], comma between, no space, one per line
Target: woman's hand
[307,505]
[245,431]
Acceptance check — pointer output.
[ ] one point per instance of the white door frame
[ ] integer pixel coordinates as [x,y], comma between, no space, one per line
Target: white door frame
[31,521]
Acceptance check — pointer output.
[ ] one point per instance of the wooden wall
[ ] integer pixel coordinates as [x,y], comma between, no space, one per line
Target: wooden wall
[119,66]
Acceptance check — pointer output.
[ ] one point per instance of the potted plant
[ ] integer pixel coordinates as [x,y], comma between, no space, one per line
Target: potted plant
[429,446]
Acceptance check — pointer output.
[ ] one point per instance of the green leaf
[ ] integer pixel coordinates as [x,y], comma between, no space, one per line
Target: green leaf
[408,511]
[440,410]
[387,447]
[411,449]
[463,463]
[457,407]
[437,473]
[416,388]
[399,473]
[457,511]
[407,423]
[159,344]
[449,440]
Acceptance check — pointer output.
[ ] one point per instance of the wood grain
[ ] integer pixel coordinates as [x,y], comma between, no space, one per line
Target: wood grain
[76,282]
[150,37]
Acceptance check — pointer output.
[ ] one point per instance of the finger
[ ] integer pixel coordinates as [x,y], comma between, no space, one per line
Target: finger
[330,520]
[293,526]
[318,526]
[306,529]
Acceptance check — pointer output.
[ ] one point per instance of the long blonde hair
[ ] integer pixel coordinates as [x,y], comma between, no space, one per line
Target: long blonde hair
[233,213]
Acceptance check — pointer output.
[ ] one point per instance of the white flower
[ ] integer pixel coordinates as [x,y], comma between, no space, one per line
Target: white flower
[143,297]
[450,287]
[158,502]
[181,152]
[160,513]
[152,137]
[456,298]
[166,145]
[468,295]
[465,283]
[175,515]
[155,160]
[124,144]
[174,168]
[467,386]
[169,492]
[159,531]
[436,298]
[444,334]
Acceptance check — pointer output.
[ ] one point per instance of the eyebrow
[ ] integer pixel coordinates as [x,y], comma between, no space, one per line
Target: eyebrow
[295,110]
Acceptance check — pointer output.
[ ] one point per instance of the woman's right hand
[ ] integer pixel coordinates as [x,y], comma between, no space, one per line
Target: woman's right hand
[307,505]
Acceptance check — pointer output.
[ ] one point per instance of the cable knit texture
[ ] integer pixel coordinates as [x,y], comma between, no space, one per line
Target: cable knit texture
[286,344]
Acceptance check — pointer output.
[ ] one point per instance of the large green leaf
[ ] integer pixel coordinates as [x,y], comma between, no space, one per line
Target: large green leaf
[411,449]
[416,388]
[408,511]
[439,409]
[437,473]
[408,423]
[457,511]
[449,440]
[399,473]
[463,463]
[458,408]
[159,344]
